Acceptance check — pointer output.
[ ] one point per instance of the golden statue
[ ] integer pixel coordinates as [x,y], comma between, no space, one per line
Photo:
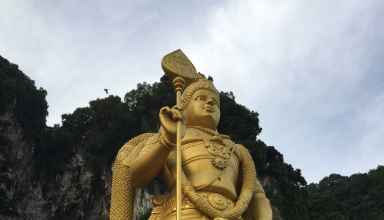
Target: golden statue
[207,175]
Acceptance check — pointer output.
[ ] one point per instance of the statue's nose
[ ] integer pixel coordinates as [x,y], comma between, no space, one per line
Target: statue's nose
[210,101]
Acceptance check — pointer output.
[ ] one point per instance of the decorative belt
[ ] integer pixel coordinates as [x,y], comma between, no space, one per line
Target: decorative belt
[217,200]
[167,204]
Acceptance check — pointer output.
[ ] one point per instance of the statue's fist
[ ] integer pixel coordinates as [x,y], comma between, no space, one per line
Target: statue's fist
[168,120]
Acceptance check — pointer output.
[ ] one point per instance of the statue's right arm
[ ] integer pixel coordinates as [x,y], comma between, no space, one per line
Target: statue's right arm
[148,158]
[136,164]
[150,161]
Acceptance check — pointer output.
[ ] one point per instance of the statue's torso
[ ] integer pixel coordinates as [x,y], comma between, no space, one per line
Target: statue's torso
[210,162]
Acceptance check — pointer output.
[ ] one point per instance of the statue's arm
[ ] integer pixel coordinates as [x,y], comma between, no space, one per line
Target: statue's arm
[259,208]
[153,153]
[150,161]
[261,205]
[136,164]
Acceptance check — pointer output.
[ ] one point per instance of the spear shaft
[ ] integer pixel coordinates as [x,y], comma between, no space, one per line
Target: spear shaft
[179,68]
[179,83]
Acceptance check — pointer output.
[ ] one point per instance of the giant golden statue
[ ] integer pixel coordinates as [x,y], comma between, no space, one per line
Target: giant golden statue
[208,176]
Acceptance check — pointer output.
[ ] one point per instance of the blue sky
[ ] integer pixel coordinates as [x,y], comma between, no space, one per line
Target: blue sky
[314,70]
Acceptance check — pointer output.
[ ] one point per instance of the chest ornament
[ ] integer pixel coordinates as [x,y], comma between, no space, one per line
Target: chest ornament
[221,148]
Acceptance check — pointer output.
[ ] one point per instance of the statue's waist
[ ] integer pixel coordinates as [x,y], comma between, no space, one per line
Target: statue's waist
[203,175]
[167,204]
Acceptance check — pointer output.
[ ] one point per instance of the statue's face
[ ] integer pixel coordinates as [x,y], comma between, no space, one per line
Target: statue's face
[203,109]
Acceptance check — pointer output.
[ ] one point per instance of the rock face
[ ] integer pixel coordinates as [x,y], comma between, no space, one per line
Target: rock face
[18,193]
[69,195]
[75,192]
[72,194]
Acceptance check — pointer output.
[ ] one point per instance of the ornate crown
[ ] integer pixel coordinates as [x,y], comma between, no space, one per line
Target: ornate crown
[177,66]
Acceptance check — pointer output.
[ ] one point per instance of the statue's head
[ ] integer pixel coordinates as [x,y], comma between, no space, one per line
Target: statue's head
[200,103]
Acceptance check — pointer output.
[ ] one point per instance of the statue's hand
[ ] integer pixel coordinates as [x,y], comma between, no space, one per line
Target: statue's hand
[168,120]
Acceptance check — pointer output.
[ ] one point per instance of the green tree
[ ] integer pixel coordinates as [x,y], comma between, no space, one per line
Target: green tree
[356,197]
[19,96]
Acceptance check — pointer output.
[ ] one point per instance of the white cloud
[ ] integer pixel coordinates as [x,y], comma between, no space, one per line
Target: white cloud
[302,65]
[308,67]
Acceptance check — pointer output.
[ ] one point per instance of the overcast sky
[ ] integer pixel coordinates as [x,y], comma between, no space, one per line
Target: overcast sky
[314,70]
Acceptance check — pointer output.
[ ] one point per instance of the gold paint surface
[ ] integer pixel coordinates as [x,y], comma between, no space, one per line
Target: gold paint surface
[217,177]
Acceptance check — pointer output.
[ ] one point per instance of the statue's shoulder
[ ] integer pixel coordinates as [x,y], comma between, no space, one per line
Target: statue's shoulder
[240,150]
[140,139]
[134,146]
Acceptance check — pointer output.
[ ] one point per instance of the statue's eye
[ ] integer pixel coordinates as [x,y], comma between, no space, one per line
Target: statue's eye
[201,98]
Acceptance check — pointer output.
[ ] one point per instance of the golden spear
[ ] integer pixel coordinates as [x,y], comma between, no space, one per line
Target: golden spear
[181,71]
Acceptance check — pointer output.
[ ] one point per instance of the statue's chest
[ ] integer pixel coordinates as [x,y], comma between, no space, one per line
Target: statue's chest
[216,151]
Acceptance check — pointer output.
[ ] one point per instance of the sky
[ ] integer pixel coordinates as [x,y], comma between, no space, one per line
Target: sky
[313,70]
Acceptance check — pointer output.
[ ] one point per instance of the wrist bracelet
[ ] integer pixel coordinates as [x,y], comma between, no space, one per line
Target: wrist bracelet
[166,143]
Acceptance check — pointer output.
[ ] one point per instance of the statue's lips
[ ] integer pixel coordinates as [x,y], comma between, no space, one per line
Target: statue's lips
[209,109]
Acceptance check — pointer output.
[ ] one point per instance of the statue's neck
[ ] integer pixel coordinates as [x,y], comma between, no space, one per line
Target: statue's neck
[204,129]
